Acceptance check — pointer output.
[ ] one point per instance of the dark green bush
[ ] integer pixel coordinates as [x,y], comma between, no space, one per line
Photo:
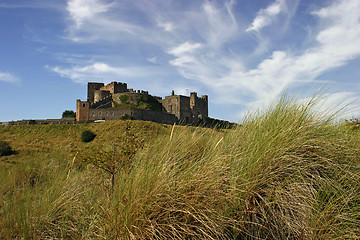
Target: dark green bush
[87,136]
[123,98]
[68,114]
[5,148]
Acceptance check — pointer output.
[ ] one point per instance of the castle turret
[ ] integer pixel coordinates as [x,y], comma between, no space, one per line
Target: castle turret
[193,98]
[92,87]
[82,110]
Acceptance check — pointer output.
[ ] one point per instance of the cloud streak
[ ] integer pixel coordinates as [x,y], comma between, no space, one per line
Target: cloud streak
[333,46]
[266,16]
[98,71]
[9,77]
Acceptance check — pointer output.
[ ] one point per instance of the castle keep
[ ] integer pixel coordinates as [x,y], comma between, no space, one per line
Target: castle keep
[116,101]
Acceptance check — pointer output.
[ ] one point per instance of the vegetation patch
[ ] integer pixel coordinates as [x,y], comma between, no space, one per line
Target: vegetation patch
[87,136]
[123,98]
[139,101]
[149,103]
[69,114]
[5,148]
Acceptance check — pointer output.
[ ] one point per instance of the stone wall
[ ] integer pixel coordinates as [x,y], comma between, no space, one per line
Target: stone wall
[198,106]
[115,87]
[186,109]
[103,103]
[43,121]
[138,114]
[100,94]
[171,105]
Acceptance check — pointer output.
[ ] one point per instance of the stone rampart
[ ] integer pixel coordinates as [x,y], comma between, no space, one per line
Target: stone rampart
[139,114]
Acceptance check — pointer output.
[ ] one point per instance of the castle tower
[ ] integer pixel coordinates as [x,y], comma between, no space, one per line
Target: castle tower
[92,87]
[193,97]
[205,105]
[82,110]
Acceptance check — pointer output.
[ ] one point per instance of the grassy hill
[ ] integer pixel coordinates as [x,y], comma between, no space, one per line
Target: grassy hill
[285,173]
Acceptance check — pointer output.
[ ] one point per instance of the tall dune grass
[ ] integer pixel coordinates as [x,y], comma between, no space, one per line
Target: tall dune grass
[285,173]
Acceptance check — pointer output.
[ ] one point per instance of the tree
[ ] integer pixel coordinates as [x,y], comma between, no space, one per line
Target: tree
[68,114]
[118,156]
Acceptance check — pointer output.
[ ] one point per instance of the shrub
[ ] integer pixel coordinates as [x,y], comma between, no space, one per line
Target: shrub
[123,98]
[5,148]
[68,114]
[87,136]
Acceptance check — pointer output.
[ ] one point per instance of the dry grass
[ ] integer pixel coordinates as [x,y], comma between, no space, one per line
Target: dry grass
[286,173]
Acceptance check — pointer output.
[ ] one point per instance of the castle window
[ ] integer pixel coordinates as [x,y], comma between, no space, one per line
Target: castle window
[99,114]
[83,104]
[93,114]
[169,108]
[112,113]
[107,114]
[169,101]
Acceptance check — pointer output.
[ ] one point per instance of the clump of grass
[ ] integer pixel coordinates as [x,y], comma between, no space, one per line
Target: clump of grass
[285,173]
[281,160]
[166,195]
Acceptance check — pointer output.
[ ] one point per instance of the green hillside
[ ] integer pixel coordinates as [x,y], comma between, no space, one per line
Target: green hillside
[285,173]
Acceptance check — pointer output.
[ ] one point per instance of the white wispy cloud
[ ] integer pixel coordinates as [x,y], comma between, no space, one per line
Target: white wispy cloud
[86,10]
[9,77]
[152,60]
[171,30]
[334,45]
[97,71]
[166,26]
[184,48]
[95,20]
[266,16]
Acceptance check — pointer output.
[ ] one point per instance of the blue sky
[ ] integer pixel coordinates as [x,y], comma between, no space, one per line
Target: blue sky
[241,53]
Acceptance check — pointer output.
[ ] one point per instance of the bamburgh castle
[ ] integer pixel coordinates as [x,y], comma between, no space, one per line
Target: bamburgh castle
[116,101]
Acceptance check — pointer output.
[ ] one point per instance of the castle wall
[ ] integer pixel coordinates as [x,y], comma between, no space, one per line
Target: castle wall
[132,96]
[100,94]
[43,121]
[198,106]
[82,110]
[138,114]
[187,109]
[115,87]
[171,104]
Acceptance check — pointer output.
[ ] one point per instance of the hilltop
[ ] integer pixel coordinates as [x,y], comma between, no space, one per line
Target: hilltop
[30,140]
